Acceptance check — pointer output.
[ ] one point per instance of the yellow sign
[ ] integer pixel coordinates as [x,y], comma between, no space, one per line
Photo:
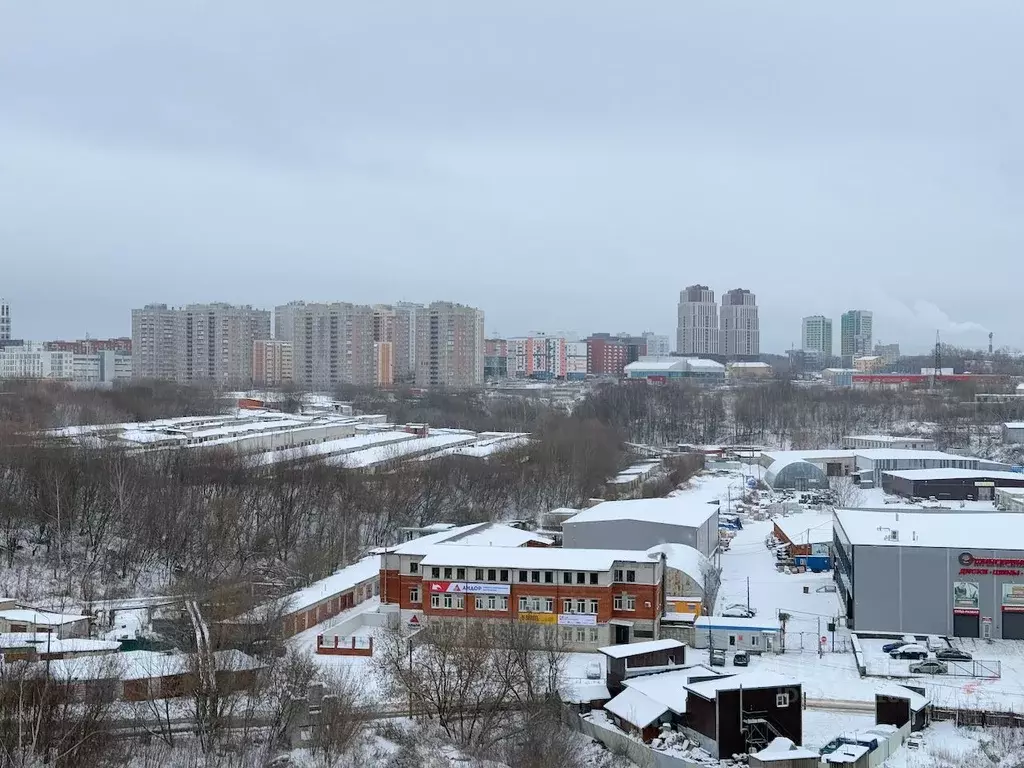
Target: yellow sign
[539,618]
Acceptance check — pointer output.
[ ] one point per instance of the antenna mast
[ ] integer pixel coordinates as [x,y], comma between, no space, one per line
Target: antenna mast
[937,362]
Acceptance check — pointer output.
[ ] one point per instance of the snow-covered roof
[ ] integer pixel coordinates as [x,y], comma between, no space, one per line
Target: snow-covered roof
[635,649]
[31,616]
[749,365]
[887,438]
[954,530]
[917,701]
[685,558]
[550,558]
[340,446]
[813,456]
[782,748]
[584,693]
[380,454]
[954,473]
[708,689]
[847,753]
[669,688]
[658,364]
[1014,424]
[140,665]
[806,528]
[474,534]
[700,362]
[730,622]
[677,510]
[44,642]
[907,454]
[341,581]
[635,708]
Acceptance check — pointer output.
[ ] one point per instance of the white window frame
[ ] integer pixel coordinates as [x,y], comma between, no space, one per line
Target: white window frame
[782,700]
[594,606]
[414,595]
[435,601]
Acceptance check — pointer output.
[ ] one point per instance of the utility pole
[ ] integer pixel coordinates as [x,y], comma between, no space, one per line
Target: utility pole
[818,638]
[748,593]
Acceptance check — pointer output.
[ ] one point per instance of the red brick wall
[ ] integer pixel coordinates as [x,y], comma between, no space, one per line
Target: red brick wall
[395,586]
[644,593]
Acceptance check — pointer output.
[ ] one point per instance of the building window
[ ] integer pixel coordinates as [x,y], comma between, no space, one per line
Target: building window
[593,607]
[450,601]
[549,577]
[479,574]
[617,574]
[523,577]
[435,573]
[593,635]
[631,576]
[460,574]
[567,577]
[581,606]
[581,635]
[447,573]
[435,601]
[567,606]
[504,575]
[492,603]
[782,700]
[581,578]
[754,639]
[593,578]
[414,567]
[537,604]
[625,603]
[535,577]
[549,605]
[414,595]
[492,574]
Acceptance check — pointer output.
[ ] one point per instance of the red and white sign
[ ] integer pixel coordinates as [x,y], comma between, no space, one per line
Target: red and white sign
[461,587]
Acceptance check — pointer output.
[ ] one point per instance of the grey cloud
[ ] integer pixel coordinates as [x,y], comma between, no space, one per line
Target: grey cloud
[558,164]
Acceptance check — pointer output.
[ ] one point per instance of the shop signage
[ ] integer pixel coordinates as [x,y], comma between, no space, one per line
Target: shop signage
[990,566]
[984,484]
[1013,598]
[469,588]
[965,598]
[577,619]
[538,618]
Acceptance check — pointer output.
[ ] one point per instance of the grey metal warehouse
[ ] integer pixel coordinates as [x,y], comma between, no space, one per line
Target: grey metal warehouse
[950,483]
[644,523]
[936,572]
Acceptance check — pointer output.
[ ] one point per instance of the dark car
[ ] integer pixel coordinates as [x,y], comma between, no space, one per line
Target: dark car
[910,652]
[741,659]
[890,647]
[953,654]
[718,657]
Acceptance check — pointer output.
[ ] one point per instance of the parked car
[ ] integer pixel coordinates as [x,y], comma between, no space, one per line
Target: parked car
[739,611]
[953,654]
[741,659]
[910,652]
[905,640]
[594,671]
[718,657]
[930,667]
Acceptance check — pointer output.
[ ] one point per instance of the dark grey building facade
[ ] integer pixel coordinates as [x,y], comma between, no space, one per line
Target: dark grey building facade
[903,582]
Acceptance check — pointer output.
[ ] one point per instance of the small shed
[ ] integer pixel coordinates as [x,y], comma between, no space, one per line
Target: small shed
[783,753]
[632,711]
[641,658]
[901,704]
[755,634]
[849,756]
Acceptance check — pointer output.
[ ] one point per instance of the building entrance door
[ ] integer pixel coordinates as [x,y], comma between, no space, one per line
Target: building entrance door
[966,625]
[621,634]
[1013,625]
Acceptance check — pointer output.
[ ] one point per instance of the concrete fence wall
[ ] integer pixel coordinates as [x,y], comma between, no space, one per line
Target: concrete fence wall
[620,744]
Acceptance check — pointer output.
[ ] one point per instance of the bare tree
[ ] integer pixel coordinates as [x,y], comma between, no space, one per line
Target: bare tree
[847,493]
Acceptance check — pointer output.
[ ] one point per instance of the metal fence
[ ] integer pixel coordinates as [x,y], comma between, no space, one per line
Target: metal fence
[809,642]
[975,717]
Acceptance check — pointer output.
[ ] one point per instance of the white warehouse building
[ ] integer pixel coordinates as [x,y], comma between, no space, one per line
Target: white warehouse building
[644,523]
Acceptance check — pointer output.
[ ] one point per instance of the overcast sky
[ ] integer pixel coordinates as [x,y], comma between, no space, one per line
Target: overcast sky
[562,165]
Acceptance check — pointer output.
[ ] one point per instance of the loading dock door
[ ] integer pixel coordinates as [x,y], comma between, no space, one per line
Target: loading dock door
[967,625]
[1013,625]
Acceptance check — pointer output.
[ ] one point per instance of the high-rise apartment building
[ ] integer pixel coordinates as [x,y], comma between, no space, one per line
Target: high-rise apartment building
[218,342]
[272,363]
[496,359]
[157,342]
[5,320]
[197,343]
[284,319]
[395,325]
[657,345]
[739,331]
[816,336]
[855,334]
[889,353]
[333,344]
[607,355]
[697,332]
[575,360]
[449,346]
[537,357]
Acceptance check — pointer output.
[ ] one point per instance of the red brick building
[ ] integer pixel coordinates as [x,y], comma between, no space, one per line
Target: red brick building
[609,355]
[596,597]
